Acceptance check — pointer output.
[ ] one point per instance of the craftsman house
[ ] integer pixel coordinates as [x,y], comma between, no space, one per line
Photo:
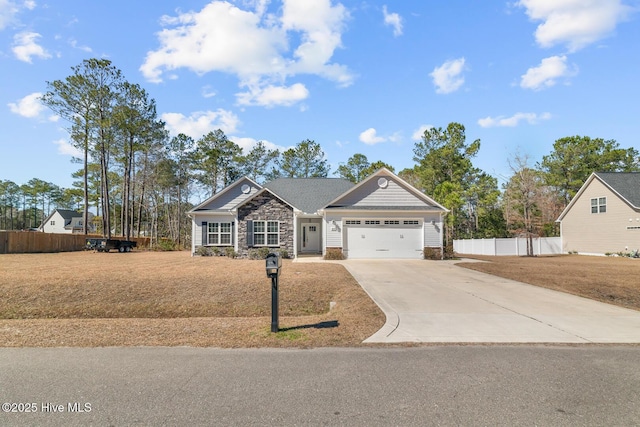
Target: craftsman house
[604,216]
[381,217]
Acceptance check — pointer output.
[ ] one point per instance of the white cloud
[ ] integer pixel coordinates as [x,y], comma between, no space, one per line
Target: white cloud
[270,96]
[370,137]
[419,133]
[448,77]
[394,20]
[201,123]
[8,11]
[547,73]
[208,92]
[259,48]
[66,149]
[574,23]
[29,106]
[247,144]
[74,44]
[502,121]
[25,47]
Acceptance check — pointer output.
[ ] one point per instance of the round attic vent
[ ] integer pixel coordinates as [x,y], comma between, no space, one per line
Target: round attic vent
[383,182]
[245,188]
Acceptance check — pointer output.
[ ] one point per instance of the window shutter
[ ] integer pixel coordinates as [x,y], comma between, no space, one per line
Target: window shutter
[204,233]
[249,234]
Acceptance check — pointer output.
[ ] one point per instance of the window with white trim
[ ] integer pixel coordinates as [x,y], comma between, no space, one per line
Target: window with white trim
[266,233]
[372,222]
[219,233]
[411,222]
[599,205]
[352,222]
[391,222]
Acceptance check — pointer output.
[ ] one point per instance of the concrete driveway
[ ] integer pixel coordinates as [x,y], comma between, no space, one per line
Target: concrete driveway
[436,301]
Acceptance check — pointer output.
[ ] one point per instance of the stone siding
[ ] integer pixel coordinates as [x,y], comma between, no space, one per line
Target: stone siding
[266,207]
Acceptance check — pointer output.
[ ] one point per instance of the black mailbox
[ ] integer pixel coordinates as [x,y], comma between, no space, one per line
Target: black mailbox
[273,265]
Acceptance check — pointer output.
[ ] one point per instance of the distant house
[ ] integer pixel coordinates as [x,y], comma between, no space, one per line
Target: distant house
[381,217]
[604,216]
[65,221]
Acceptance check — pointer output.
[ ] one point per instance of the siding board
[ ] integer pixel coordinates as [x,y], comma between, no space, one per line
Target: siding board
[371,195]
[600,233]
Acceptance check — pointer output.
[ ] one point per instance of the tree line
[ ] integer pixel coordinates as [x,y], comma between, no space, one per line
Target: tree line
[141,182]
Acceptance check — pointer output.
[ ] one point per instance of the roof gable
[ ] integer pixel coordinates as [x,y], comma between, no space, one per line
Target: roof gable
[385,190]
[262,192]
[229,197]
[625,185]
[308,194]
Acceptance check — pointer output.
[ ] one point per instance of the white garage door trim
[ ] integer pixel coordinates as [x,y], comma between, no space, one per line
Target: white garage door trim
[383,238]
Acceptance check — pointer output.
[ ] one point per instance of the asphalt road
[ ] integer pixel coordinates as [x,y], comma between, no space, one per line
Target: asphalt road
[443,385]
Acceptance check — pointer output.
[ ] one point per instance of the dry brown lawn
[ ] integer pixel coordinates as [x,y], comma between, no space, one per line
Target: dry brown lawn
[614,280]
[173,299]
[93,299]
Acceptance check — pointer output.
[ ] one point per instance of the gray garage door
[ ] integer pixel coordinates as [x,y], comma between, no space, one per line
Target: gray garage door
[383,238]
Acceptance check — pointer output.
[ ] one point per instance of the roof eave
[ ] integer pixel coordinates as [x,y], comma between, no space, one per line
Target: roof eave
[224,190]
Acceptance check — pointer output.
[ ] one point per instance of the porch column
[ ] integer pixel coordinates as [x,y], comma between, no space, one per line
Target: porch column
[295,234]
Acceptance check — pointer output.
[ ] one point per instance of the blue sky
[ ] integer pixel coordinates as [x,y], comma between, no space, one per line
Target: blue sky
[361,76]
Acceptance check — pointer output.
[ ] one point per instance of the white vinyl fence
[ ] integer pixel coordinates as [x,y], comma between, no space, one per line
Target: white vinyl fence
[515,246]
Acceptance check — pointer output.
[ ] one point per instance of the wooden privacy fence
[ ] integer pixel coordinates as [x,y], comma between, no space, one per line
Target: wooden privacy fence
[514,246]
[16,242]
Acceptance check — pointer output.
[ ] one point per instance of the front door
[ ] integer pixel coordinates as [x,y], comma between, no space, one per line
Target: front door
[310,238]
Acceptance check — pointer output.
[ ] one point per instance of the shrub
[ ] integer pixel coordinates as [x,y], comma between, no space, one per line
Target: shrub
[204,251]
[334,254]
[230,252]
[284,254]
[432,253]
[216,251]
[260,253]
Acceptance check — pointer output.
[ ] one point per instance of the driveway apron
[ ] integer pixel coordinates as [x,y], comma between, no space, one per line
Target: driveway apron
[436,301]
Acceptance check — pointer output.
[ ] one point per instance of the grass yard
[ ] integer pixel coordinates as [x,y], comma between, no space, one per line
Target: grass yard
[81,299]
[612,280]
[170,298]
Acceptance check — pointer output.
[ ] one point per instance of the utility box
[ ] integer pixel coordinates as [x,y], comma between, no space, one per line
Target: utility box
[273,264]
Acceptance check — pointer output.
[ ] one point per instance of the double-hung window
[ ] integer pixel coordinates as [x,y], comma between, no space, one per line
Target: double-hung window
[219,233]
[599,205]
[266,233]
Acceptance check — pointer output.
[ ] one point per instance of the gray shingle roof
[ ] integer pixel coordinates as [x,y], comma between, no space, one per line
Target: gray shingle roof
[627,184]
[308,194]
[68,214]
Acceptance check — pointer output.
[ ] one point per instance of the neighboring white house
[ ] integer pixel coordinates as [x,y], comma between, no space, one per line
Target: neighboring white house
[65,221]
[381,217]
[604,216]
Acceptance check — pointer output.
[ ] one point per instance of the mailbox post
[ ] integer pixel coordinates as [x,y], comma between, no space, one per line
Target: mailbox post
[273,265]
